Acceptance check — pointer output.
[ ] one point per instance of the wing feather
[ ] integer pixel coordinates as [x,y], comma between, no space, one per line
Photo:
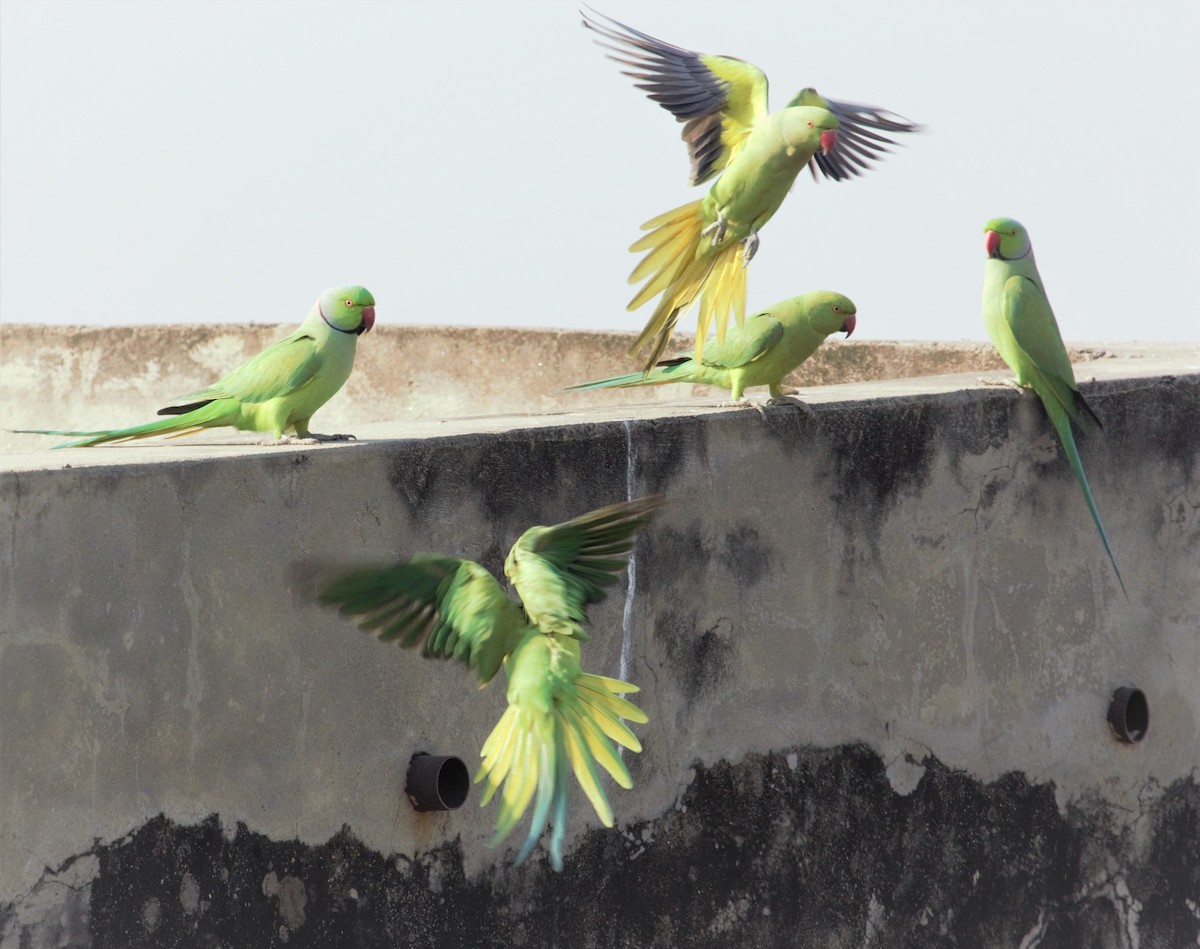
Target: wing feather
[558,571]
[452,608]
[279,370]
[719,98]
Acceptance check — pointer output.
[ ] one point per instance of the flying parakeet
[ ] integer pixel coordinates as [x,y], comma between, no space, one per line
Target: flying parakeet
[1018,318]
[558,716]
[760,352]
[701,249]
[277,390]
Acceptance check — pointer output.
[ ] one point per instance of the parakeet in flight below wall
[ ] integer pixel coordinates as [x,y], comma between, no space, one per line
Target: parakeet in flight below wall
[701,249]
[1018,318]
[760,352]
[558,716]
[276,391]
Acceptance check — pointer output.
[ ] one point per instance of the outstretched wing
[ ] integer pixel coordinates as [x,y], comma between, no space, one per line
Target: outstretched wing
[860,140]
[718,97]
[454,608]
[559,570]
[559,719]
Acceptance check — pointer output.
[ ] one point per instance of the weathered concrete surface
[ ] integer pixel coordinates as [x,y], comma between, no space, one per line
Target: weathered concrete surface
[109,377]
[876,642]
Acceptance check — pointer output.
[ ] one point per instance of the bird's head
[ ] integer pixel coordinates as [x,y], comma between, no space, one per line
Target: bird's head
[832,313]
[814,125]
[1006,239]
[348,309]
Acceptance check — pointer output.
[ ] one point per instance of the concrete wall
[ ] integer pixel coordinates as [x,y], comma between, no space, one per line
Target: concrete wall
[96,377]
[876,640]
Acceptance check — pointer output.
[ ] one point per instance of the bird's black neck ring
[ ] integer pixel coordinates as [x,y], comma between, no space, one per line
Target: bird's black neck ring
[353,332]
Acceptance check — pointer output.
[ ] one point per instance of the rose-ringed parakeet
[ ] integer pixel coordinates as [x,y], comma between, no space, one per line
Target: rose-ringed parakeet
[1018,318]
[760,352]
[559,718]
[276,391]
[701,248]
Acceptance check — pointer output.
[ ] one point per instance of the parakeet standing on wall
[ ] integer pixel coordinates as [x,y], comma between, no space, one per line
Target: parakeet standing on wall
[701,249]
[760,352]
[276,391]
[1018,318]
[558,716]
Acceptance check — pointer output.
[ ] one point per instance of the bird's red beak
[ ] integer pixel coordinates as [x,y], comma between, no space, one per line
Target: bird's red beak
[848,326]
[368,320]
[992,244]
[828,141]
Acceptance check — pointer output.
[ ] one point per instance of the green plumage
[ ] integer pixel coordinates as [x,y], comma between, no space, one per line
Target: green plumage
[1021,324]
[558,716]
[761,352]
[699,251]
[276,391]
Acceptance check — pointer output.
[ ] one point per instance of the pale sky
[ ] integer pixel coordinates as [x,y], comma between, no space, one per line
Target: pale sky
[481,162]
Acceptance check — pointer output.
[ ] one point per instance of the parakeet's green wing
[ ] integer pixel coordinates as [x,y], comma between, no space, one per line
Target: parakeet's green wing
[753,340]
[278,370]
[559,570]
[1033,326]
[455,608]
[718,97]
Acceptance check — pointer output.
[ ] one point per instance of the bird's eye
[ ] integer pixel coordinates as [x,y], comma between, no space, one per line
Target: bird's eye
[837,309]
[348,302]
[810,123]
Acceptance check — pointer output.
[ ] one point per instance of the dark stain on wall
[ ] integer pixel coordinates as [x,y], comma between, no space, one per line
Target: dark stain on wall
[882,453]
[811,847]
[513,474]
[663,447]
[746,556]
[700,661]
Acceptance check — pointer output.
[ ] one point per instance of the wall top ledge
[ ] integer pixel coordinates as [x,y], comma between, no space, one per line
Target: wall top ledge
[1104,373]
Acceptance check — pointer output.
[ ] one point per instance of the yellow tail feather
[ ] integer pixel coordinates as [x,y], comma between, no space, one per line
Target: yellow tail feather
[680,266]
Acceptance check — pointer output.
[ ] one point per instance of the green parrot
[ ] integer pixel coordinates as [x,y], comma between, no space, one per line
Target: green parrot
[760,352]
[558,716]
[701,249]
[1022,327]
[277,390]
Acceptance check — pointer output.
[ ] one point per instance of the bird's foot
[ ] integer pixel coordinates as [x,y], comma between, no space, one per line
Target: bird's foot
[717,228]
[742,404]
[749,248]
[788,400]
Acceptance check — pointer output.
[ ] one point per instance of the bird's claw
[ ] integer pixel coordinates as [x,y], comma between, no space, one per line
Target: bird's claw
[742,404]
[788,400]
[749,248]
[310,438]
[717,228]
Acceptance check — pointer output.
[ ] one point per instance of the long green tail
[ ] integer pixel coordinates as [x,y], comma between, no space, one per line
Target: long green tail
[673,370]
[1062,424]
[206,416]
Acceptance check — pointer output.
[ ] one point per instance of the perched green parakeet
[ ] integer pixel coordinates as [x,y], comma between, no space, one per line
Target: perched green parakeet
[276,391]
[760,352]
[701,249]
[558,716]
[1022,327]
